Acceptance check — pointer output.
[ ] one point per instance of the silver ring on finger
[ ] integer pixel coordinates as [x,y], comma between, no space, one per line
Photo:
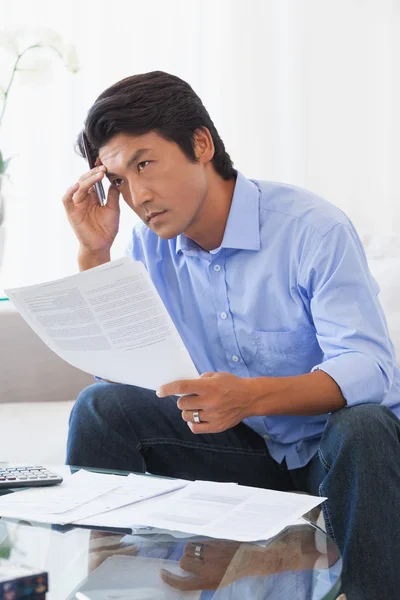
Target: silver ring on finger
[196,419]
[197,551]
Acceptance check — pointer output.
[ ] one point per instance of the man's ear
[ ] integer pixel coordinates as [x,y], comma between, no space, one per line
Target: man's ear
[203,145]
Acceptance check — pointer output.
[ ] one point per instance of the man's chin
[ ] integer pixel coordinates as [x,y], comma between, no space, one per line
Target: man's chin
[165,233]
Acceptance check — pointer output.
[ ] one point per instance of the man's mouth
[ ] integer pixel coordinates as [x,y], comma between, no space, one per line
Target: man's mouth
[153,217]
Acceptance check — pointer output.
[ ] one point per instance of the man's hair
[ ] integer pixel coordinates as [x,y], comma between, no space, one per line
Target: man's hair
[158,102]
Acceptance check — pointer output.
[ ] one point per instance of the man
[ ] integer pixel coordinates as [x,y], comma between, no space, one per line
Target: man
[270,290]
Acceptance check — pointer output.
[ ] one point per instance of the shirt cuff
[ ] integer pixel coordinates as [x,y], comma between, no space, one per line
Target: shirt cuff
[358,376]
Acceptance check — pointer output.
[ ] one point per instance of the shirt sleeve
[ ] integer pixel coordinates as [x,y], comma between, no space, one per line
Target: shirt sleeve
[350,324]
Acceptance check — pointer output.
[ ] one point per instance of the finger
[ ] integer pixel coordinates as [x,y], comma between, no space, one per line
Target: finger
[113,197]
[191,565]
[187,386]
[94,171]
[193,402]
[84,186]
[190,548]
[181,583]
[206,427]
[187,415]
[67,198]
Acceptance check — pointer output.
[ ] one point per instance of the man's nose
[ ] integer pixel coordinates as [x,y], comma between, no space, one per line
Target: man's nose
[140,195]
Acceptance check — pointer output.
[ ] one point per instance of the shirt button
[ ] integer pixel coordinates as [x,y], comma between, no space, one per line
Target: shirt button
[223,315]
[235,358]
[266,436]
[217,268]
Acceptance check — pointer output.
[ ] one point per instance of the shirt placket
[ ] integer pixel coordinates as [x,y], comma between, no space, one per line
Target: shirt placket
[219,292]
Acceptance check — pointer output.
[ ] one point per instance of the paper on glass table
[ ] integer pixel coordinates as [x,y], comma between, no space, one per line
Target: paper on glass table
[227,511]
[83,495]
[74,491]
[108,321]
[217,510]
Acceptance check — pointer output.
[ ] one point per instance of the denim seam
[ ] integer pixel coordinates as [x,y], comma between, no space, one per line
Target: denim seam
[199,446]
[325,510]
[322,459]
[327,519]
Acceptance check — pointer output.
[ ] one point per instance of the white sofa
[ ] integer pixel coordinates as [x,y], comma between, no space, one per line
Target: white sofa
[29,371]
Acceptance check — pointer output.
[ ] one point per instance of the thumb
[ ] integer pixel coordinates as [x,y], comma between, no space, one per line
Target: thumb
[113,198]
[187,584]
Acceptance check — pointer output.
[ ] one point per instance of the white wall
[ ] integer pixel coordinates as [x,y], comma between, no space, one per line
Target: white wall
[306,92]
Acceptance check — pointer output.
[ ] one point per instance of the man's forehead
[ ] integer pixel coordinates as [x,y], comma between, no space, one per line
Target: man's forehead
[121,145]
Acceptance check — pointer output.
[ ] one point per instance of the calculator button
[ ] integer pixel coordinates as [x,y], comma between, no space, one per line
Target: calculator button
[42,476]
[2,478]
[32,477]
[11,478]
[22,477]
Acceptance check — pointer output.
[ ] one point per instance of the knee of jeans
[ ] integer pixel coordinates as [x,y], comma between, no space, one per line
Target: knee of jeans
[86,401]
[354,424]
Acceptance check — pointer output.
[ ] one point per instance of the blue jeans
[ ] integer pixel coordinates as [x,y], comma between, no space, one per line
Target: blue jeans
[357,468]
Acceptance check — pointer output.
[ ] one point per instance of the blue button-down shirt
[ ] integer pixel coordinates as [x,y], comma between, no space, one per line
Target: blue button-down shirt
[287,292]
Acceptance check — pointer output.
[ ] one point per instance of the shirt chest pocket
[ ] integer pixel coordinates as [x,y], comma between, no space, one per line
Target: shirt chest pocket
[285,353]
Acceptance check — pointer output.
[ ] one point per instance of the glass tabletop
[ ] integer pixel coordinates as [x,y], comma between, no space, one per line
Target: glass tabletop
[301,563]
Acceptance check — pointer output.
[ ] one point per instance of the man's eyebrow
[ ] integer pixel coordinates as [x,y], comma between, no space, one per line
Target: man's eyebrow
[130,162]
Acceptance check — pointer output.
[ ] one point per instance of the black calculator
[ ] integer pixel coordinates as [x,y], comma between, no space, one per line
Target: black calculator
[13,477]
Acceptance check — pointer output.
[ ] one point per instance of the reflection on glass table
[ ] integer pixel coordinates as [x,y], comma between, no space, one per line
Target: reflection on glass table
[301,563]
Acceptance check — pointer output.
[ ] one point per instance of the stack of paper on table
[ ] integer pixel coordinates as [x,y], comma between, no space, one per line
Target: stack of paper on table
[83,494]
[220,510]
[108,321]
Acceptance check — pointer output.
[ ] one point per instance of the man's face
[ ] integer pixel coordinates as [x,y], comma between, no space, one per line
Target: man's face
[157,180]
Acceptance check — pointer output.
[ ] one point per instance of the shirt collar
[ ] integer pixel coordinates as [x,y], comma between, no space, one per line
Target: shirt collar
[242,231]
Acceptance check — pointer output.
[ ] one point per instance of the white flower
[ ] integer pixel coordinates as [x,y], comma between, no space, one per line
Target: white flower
[48,37]
[42,36]
[34,69]
[9,42]
[71,58]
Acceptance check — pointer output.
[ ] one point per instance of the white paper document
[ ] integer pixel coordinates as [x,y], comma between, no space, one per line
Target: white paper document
[108,321]
[217,510]
[74,491]
[132,578]
[83,495]
[228,511]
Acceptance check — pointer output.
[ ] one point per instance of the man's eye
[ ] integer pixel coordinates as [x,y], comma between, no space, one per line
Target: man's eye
[117,182]
[142,165]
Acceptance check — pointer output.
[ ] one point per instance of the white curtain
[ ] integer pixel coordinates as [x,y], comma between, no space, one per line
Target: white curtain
[302,91]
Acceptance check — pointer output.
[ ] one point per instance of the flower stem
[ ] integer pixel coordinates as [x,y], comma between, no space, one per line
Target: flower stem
[15,69]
